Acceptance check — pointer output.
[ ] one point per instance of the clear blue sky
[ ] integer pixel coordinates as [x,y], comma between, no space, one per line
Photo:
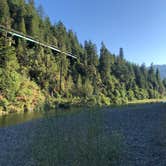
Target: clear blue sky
[139,26]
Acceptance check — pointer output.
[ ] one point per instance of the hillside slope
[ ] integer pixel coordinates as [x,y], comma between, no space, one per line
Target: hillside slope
[94,79]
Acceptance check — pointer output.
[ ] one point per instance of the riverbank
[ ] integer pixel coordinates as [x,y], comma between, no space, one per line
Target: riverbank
[64,104]
[146,101]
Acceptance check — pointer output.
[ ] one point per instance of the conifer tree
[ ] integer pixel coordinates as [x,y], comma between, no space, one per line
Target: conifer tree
[121,54]
[4,14]
[105,63]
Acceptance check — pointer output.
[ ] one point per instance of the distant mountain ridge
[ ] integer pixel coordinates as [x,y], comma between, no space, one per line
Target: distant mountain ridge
[162,69]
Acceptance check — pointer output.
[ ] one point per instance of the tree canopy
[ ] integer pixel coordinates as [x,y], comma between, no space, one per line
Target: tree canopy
[103,77]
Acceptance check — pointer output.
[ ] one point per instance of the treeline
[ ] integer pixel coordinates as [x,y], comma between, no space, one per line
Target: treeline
[31,75]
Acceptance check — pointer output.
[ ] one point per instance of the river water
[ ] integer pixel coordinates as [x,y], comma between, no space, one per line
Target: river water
[18,118]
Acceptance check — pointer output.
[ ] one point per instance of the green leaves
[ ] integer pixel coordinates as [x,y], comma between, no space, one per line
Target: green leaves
[105,63]
[9,83]
[4,13]
[103,79]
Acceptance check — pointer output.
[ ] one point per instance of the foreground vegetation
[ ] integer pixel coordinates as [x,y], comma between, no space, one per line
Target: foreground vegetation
[30,75]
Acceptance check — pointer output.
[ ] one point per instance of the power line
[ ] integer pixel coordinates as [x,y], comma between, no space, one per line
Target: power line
[31,39]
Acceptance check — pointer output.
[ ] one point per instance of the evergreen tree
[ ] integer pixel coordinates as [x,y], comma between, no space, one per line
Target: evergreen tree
[121,54]
[91,51]
[105,63]
[32,19]
[152,77]
[4,14]
[87,88]
[9,78]
[106,78]
[160,86]
[144,75]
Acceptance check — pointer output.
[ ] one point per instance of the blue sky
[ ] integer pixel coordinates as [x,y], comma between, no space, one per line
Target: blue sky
[139,26]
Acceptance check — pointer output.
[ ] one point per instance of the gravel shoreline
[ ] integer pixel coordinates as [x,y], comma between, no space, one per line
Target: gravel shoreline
[143,127]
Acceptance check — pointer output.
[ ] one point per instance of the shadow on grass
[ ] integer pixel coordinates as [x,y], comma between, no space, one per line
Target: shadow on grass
[76,140]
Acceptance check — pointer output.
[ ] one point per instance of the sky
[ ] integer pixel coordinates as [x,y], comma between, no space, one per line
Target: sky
[138,26]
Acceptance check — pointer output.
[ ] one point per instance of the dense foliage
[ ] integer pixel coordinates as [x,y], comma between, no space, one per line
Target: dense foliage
[31,75]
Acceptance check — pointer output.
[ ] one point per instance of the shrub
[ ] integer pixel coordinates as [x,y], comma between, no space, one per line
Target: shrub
[4,104]
[130,95]
[29,95]
[9,83]
[87,88]
[104,99]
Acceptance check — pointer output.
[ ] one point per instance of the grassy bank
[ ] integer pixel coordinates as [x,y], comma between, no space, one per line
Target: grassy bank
[147,101]
[63,104]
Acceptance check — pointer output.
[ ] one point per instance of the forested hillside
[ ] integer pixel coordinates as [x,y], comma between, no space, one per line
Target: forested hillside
[30,74]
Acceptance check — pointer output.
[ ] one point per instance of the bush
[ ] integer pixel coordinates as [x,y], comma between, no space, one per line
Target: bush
[29,96]
[92,100]
[104,99]
[87,89]
[23,98]
[130,95]
[4,104]
[9,83]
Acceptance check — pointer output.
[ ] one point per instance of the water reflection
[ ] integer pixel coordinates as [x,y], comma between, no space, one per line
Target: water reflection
[18,118]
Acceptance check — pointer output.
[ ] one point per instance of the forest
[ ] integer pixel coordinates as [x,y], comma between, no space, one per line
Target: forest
[33,77]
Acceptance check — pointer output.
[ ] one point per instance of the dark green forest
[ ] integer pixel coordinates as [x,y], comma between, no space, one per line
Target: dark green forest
[32,77]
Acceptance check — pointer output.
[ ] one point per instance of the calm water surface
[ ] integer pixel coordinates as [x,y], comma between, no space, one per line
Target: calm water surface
[17,118]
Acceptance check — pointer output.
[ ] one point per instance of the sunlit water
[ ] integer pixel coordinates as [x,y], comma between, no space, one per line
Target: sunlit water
[14,119]
[18,118]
